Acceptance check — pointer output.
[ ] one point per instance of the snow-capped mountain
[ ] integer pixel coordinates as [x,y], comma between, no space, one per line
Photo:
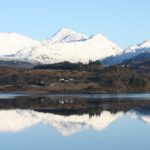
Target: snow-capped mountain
[10,43]
[67,45]
[128,53]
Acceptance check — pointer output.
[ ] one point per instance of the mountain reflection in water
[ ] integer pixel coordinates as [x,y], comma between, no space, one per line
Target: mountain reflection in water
[68,115]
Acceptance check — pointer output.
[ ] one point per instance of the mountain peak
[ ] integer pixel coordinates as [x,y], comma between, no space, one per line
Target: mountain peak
[97,36]
[66,35]
[65,31]
[11,42]
[145,44]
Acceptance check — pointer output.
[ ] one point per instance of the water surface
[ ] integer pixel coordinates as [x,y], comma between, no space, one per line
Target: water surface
[75,122]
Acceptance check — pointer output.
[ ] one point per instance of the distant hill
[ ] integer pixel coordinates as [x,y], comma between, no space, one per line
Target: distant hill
[16,64]
[141,62]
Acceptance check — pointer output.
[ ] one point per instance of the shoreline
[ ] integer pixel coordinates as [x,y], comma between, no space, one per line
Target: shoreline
[73,93]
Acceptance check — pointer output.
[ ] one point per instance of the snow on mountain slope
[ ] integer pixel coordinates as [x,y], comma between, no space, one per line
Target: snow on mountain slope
[66,45]
[17,120]
[10,43]
[128,53]
[134,48]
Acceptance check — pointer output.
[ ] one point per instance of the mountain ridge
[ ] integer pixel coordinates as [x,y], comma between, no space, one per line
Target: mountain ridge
[67,45]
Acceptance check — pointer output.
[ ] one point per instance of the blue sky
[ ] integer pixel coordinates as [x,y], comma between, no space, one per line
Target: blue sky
[125,22]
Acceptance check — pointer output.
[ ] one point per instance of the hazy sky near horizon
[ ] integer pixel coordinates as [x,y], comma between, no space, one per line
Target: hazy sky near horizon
[125,22]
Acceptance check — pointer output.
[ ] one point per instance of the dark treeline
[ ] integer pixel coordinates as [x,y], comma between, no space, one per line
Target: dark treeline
[92,65]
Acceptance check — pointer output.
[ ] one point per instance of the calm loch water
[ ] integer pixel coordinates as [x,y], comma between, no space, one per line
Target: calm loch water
[75,122]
